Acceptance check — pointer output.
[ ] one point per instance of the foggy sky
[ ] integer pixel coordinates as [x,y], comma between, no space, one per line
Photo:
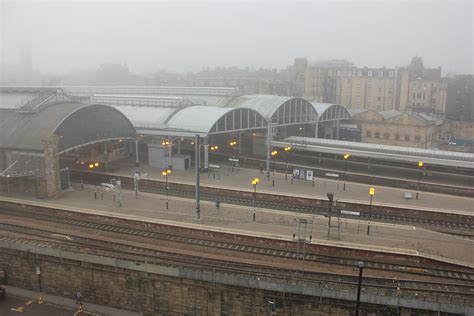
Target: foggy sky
[186,36]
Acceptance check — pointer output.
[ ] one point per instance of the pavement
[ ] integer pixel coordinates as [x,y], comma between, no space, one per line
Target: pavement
[25,302]
[241,179]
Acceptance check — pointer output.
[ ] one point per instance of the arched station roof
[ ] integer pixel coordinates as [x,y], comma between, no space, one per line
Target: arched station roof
[76,124]
[278,109]
[331,112]
[215,120]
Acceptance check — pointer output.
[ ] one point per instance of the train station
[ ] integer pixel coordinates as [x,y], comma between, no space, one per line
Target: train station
[189,171]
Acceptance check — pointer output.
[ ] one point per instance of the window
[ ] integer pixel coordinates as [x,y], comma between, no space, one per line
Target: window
[380,73]
[370,73]
[379,90]
[359,73]
[368,134]
[414,95]
[418,95]
[414,85]
[379,98]
[386,135]
[407,138]
[417,138]
[390,74]
[377,135]
[424,95]
[397,136]
[379,107]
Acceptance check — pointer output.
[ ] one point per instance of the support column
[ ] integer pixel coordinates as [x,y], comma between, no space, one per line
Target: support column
[338,123]
[240,143]
[106,161]
[206,154]
[137,163]
[170,153]
[179,146]
[317,128]
[197,148]
[269,149]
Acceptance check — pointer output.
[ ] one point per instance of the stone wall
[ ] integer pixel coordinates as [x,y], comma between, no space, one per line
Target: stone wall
[44,183]
[51,166]
[457,129]
[154,294]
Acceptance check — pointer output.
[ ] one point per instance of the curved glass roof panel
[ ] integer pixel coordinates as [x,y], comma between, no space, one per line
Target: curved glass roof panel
[147,117]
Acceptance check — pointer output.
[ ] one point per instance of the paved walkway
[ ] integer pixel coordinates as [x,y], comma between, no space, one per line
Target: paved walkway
[52,305]
[241,179]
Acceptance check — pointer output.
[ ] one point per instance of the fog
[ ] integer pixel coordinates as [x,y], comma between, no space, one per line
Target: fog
[187,36]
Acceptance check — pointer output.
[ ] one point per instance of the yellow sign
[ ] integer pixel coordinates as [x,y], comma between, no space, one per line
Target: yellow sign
[347,156]
[420,163]
[372,191]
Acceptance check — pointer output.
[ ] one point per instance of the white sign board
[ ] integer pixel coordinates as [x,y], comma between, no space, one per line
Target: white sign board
[303,174]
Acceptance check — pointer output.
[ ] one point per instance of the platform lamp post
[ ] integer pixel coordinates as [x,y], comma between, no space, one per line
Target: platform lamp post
[360,265]
[274,153]
[287,153]
[371,193]
[165,174]
[346,157]
[255,181]
[330,198]
[420,167]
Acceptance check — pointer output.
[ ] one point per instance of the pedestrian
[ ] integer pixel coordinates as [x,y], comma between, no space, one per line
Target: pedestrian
[78,296]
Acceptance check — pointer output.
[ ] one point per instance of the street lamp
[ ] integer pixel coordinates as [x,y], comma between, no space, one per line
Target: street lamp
[165,174]
[371,193]
[346,157]
[360,264]
[420,167]
[255,181]
[214,148]
[274,153]
[233,143]
[287,152]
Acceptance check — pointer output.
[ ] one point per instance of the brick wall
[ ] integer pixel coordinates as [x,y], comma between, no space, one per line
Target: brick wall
[161,295]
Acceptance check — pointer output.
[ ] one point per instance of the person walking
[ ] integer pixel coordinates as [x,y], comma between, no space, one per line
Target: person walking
[79,299]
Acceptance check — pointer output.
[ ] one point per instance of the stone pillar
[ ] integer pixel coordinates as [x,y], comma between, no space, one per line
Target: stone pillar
[51,166]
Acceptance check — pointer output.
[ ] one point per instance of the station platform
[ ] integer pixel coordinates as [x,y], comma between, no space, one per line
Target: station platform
[240,179]
[383,237]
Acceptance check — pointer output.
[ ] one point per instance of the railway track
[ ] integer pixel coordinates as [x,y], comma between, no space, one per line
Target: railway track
[458,275]
[145,255]
[458,227]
